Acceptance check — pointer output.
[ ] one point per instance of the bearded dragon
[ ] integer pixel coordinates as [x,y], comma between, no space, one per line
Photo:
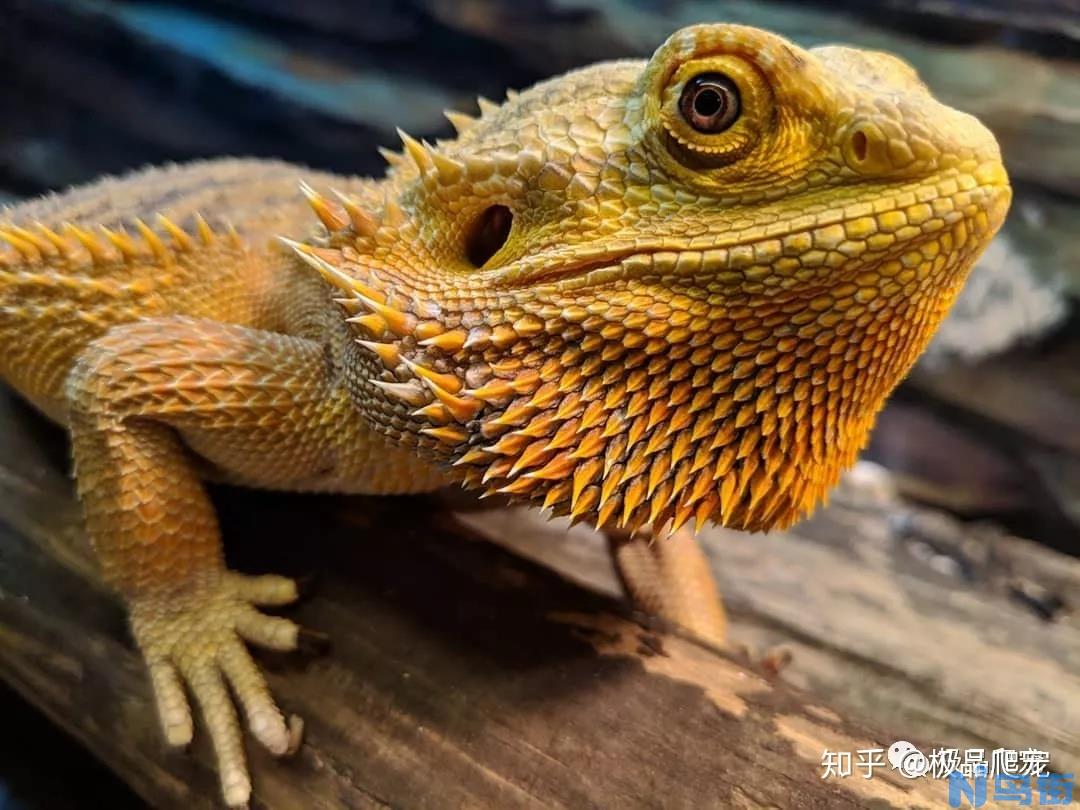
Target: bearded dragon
[640,294]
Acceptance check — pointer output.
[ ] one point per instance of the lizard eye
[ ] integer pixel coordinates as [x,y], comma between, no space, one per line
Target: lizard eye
[710,103]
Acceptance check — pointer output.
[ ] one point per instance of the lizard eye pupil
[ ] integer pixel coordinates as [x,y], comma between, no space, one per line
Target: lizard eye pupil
[710,103]
[487,234]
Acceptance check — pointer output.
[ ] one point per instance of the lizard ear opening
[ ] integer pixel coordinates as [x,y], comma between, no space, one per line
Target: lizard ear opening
[487,234]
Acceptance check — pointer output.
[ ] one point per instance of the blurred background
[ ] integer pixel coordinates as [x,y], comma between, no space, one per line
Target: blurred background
[987,429]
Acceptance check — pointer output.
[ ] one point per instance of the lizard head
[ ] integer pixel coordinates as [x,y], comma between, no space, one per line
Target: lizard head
[652,292]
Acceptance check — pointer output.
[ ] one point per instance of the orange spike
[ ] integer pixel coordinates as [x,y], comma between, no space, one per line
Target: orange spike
[498,469]
[122,242]
[556,494]
[565,435]
[705,508]
[658,503]
[448,382]
[181,239]
[585,503]
[727,496]
[410,392]
[656,441]
[512,417]
[43,245]
[510,445]
[540,427]
[614,452]
[364,223]
[657,414]
[636,431]
[374,324]
[393,214]
[427,329]
[681,448]
[557,469]
[683,513]
[632,498]
[89,243]
[153,241]
[474,456]
[519,487]
[387,352]
[616,424]
[590,445]
[434,412]
[681,419]
[415,150]
[203,229]
[447,435]
[658,472]
[449,342]
[463,409]
[593,415]
[492,391]
[702,484]
[607,509]
[584,474]
[569,407]
[393,159]
[398,322]
[56,239]
[25,248]
[321,206]
[532,455]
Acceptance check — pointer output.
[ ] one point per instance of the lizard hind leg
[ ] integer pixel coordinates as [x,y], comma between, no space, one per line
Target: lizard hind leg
[132,395]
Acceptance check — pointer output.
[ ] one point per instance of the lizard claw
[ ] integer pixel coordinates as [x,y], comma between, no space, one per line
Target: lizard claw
[196,638]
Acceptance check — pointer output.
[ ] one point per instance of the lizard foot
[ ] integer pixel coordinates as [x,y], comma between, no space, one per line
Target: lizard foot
[196,637]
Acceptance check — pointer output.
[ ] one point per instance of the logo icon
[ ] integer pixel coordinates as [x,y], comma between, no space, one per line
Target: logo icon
[909,760]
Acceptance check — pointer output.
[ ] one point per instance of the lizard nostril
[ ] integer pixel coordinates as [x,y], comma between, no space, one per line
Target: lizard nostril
[487,234]
[865,149]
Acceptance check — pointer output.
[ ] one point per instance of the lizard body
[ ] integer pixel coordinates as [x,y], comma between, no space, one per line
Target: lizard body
[641,294]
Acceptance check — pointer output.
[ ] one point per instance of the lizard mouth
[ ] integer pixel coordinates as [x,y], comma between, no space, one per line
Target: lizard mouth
[803,248]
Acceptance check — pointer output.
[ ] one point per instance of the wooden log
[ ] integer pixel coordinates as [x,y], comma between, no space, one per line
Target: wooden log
[899,615]
[460,675]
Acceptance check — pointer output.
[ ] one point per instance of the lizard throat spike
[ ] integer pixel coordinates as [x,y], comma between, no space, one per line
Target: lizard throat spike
[331,274]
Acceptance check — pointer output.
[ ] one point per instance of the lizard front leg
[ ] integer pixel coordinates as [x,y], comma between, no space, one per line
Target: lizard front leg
[670,577]
[132,394]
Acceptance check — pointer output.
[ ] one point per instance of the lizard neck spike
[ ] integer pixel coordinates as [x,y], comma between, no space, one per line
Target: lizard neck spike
[364,222]
[321,206]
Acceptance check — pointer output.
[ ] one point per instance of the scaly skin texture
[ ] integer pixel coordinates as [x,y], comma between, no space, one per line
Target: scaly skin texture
[582,302]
